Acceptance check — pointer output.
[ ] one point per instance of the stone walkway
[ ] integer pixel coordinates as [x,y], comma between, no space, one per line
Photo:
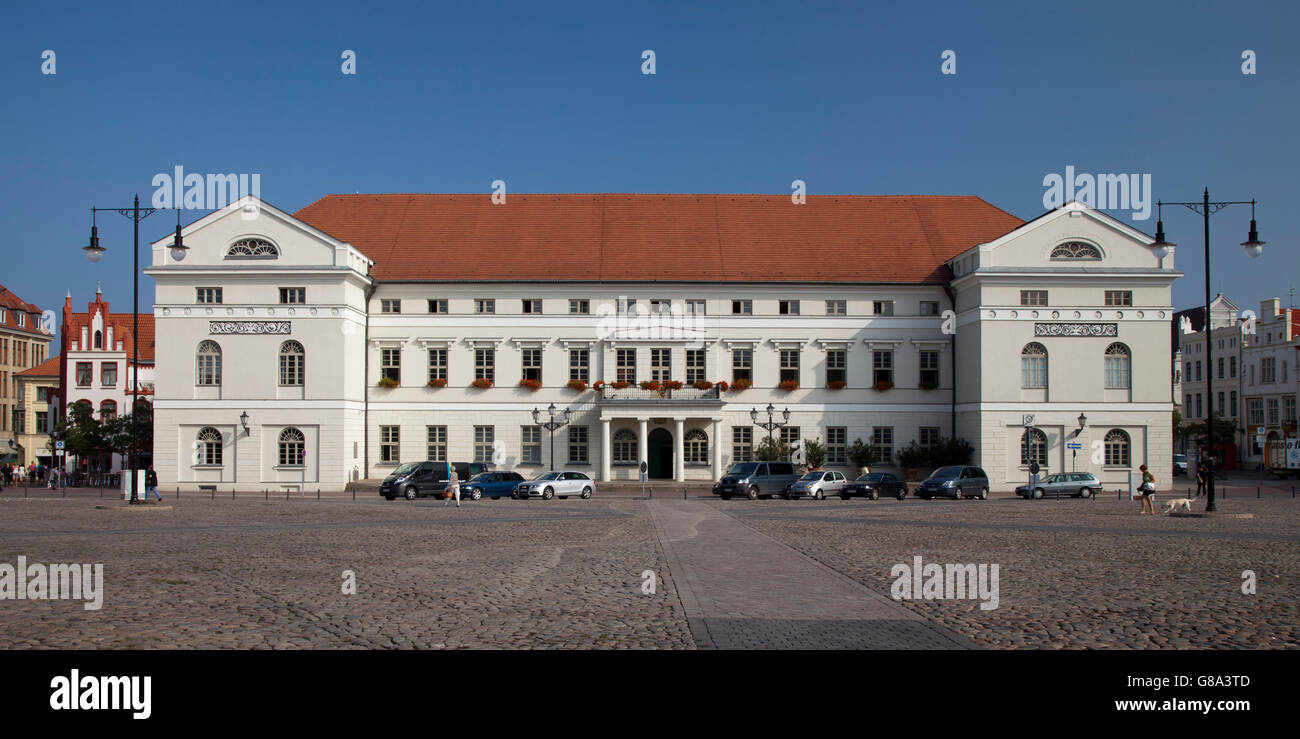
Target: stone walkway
[741,589]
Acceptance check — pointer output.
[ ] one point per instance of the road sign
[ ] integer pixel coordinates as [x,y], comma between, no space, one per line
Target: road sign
[1027,419]
[58,445]
[1259,430]
[1074,445]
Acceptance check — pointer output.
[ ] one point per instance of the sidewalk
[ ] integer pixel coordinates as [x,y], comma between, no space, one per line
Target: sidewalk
[744,590]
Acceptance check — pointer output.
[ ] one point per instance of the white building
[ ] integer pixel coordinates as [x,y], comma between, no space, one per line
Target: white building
[1270,382]
[275,331]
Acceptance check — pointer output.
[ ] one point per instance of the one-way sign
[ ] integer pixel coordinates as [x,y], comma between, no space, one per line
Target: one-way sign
[1074,445]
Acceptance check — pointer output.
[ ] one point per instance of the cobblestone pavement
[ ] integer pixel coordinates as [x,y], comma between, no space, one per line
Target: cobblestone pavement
[1073,573]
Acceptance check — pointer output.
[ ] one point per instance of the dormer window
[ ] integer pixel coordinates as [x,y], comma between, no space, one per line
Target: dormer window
[252,248]
[1076,251]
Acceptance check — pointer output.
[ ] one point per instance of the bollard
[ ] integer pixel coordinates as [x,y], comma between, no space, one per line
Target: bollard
[266,493]
[354,495]
[317,493]
[232,493]
[213,494]
[286,494]
[683,492]
[1256,492]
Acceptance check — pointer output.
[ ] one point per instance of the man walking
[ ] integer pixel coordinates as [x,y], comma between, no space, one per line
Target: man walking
[1201,473]
[151,484]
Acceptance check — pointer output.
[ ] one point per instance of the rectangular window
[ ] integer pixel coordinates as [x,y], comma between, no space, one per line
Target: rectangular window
[485,363]
[108,374]
[882,307]
[390,364]
[389,445]
[660,307]
[837,440]
[390,305]
[1220,404]
[928,437]
[292,295]
[485,305]
[437,364]
[1220,368]
[1273,415]
[291,366]
[742,444]
[742,364]
[437,305]
[837,366]
[484,438]
[788,307]
[532,305]
[532,364]
[625,365]
[929,361]
[661,364]
[790,437]
[694,307]
[207,294]
[929,307]
[1232,366]
[1288,409]
[43,423]
[530,444]
[789,365]
[578,445]
[579,305]
[882,367]
[43,394]
[85,373]
[1198,370]
[580,364]
[1119,297]
[627,306]
[882,441]
[1033,297]
[836,307]
[1232,399]
[1267,370]
[694,365]
[742,307]
[436,440]
[1200,410]
[1254,412]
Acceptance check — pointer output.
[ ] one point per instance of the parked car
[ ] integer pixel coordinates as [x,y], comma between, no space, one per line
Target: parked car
[555,485]
[1180,464]
[756,479]
[1074,484]
[494,485]
[873,485]
[956,482]
[418,479]
[816,484]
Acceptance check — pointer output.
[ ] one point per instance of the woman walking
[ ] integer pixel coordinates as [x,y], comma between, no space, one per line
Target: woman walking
[453,485]
[1148,491]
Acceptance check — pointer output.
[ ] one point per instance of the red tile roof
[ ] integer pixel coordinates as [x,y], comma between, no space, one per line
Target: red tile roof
[634,237]
[48,368]
[16,305]
[121,323]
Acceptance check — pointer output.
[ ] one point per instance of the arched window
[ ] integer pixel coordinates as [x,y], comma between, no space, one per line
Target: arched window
[1118,366]
[107,410]
[209,363]
[293,448]
[1076,251]
[1036,450]
[1033,366]
[292,358]
[696,447]
[99,339]
[1117,446]
[209,442]
[625,446]
[256,248]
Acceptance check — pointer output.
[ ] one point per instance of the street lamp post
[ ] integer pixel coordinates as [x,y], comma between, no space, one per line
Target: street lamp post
[95,252]
[1253,247]
[770,424]
[552,423]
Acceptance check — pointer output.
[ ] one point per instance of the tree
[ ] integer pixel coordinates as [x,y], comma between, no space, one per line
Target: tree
[1224,430]
[814,453]
[862,454]
[912,456]
[82,434]
[772,449]
[1180,430]
[951,451]
[117,433]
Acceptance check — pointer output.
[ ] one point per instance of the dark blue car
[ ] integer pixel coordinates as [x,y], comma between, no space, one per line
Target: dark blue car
[492,484]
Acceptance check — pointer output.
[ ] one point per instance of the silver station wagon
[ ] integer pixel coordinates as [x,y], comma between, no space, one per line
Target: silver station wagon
[1074,484]
[556,485]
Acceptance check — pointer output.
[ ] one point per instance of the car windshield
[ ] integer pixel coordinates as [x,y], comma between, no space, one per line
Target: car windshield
[549,476]
[406,468]
[482,477]
[812,476]
[872,477]
[945,473]
[742,468]
[1180,457]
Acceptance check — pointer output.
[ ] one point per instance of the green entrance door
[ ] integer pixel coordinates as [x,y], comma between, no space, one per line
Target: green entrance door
[659,448]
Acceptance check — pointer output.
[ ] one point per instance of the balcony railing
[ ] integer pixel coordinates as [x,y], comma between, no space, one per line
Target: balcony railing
[636,394]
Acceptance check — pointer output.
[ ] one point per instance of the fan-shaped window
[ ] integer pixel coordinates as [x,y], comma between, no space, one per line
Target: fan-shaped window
[1076,251]
[208,360]
[624,446]
[209,446]
[1033,366]
[696,449]
[1118,366]
[1117,446]
[256,248]
[1036,449]
[293,447]
[292,363]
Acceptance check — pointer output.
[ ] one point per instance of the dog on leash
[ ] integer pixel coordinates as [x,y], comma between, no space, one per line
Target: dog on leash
[1185,503]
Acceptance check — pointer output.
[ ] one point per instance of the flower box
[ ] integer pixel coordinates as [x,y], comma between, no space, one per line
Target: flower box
[929,386]
[533,385]
[836,385]
[741,384]
[788,385]
[702,385]
[388,382]
[577,385]
[722,386]
[481,383]
[620,384]
[598,386]
[882,386]
[438,382]
[651,385]
[672,385]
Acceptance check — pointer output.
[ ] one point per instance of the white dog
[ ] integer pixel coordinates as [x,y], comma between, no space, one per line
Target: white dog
[1186,504]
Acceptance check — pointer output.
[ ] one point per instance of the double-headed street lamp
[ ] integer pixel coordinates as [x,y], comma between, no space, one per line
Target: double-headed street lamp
[1253,248]
[552,423]
[94,252]
[770,424]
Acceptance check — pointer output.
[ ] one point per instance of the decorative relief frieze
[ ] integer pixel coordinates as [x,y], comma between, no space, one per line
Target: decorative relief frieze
[249,327]
[1076,329]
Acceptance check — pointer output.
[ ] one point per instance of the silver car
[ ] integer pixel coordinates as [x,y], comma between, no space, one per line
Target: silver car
[1075,484]
[817,484]
[556,485]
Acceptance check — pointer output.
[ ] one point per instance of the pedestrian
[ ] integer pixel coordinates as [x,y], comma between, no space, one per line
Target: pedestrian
[54,479]
[151,484]
[453,486]
[9,475]
[1201,473]
[1148,491]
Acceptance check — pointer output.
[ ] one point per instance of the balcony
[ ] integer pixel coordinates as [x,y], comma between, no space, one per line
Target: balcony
[634,394]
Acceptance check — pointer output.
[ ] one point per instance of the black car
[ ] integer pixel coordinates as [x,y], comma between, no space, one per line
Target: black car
[875,484]
[417,479]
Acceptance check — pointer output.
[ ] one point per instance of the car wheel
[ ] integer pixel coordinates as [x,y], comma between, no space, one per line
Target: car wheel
[476,495]
[844,496]
[410,492]
[984,494]
[819,496]
[1085,493]
[1038,493]
[875,495]
[586,493]
[753,493]
[902,494]
[548,493]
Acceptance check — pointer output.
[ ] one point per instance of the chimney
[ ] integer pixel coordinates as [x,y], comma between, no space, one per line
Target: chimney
[1270,308]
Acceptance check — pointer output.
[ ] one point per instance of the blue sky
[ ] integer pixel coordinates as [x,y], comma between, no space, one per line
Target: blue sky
[550,97]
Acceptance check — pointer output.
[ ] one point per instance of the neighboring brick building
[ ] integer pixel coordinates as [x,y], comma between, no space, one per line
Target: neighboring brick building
[23,345]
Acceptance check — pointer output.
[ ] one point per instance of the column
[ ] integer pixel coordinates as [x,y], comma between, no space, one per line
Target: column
[679,448]
[641,445]
[716,440]
[604,450]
